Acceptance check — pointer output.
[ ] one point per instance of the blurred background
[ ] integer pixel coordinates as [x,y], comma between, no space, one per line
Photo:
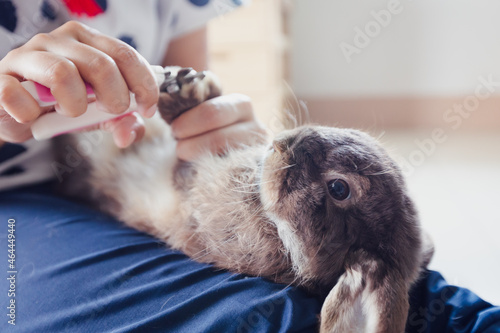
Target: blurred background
[422,76]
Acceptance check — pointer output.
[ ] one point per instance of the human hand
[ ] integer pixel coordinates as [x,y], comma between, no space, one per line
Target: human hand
[62,60]
[216,124]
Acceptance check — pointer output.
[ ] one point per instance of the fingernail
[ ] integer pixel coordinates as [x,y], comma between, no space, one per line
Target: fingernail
[131,139]
[150,112]
[100,107]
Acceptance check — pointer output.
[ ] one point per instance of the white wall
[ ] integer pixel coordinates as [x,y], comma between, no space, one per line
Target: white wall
[430,48]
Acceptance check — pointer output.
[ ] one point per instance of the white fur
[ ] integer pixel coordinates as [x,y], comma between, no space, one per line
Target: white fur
[141,185]
[370,310]
[349,316]
[357,316]
[292,243]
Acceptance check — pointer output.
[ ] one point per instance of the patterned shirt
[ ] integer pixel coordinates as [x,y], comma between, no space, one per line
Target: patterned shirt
[146,25]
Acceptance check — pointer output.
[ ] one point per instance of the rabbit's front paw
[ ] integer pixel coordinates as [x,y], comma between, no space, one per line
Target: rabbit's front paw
[183,89]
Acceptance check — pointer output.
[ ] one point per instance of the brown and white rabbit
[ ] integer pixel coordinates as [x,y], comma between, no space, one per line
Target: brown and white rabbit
[322,208]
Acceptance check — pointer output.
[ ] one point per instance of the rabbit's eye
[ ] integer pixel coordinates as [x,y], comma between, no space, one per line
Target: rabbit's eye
[339,189]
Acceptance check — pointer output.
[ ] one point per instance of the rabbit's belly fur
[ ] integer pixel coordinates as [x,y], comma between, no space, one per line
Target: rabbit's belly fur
[209,210]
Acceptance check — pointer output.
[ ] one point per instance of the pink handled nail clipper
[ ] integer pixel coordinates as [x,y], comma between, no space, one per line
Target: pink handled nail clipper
[53,124]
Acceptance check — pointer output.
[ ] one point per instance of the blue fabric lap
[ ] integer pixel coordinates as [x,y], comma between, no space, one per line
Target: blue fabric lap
[437,307]
[80,271]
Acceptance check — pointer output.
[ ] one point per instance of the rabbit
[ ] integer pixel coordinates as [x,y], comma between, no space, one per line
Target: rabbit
[322,208]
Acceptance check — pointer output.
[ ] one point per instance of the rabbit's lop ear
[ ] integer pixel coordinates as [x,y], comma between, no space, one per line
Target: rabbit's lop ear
[368,297]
